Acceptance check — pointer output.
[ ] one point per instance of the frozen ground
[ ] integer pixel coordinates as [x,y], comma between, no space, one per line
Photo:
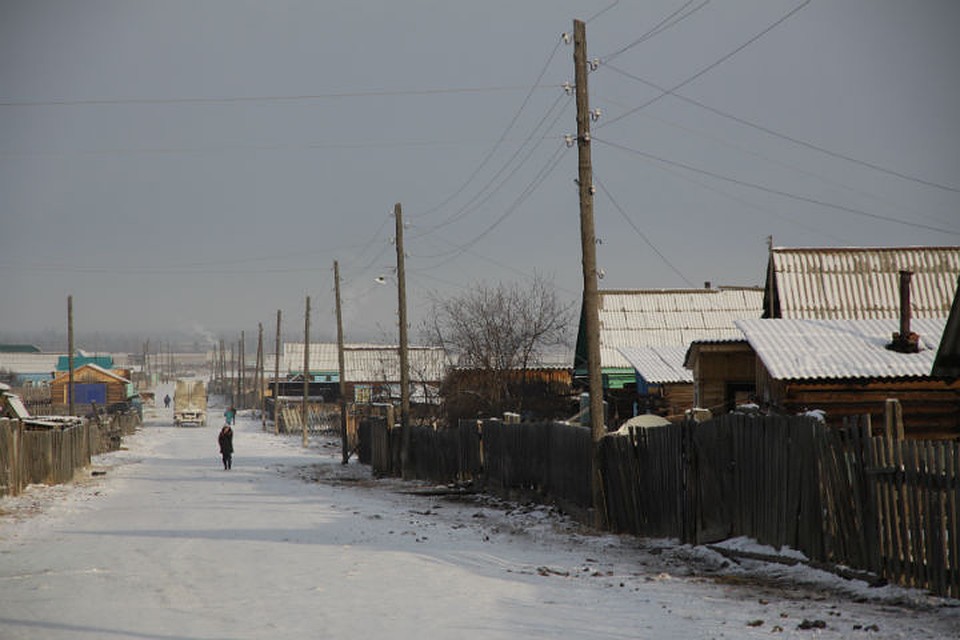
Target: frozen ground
[165,544]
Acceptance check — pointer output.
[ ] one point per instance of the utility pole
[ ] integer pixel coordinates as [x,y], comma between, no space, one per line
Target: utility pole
[591,312]
[241,365]
[304,410]
[404,372]
[276,380]
[260,386]
[70,386]
[344,446]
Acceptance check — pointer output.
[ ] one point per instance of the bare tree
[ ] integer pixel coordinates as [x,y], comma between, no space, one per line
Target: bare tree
[500,332]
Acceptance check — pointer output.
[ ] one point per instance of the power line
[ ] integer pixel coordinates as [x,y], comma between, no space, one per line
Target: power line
[778,192]
[373,93]
[783,136]
[640,233]
[479,199]
[756,154]
[601,12]
[534,184]
[710,66]
[250,148]
[660,27]
[503,136]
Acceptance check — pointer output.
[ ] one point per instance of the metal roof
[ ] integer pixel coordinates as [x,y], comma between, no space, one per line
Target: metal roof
[368,363]
[863,282]
[809,349]
[671,317]
[29,362]
[658,365]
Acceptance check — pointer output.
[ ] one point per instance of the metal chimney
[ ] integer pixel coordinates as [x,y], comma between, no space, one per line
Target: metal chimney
[905,341]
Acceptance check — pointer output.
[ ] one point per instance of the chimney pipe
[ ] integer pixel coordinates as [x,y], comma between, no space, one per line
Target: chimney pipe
[905,302]
[706,285]
[905,341]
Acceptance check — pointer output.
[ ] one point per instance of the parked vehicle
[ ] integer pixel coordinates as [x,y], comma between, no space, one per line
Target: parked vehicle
[190,403]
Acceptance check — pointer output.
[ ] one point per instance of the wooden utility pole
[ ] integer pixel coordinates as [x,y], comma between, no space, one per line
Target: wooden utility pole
[344,446]
[241,365]
[70,386]
[276,380]
[304,409]
[260,385]
[404,370]
[589,248]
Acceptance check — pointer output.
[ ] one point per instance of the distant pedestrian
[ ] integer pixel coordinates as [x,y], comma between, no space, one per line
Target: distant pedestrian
[226,445]
[231,415]
[166,401]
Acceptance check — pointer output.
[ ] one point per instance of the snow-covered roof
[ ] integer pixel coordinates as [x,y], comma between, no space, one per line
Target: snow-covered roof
[29,362]
[856,282]
[94,367]
[793,349]
[671,317]
[366,362]
[658,365]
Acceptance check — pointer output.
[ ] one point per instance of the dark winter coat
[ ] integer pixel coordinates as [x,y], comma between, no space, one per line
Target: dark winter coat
[226,441]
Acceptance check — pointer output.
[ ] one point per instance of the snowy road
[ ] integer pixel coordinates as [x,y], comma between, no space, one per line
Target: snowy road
[168,545]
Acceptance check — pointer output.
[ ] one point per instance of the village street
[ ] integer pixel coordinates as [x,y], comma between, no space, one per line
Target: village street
[161,542]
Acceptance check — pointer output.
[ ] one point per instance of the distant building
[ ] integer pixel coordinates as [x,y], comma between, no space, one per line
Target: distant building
[91,384]
[372,372]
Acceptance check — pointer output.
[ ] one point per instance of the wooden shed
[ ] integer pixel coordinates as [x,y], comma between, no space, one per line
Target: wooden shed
[724,374]
[92,384]
[664,387]
[847,368]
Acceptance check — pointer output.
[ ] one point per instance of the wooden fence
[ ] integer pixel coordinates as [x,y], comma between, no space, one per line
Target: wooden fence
[53,455]
[839,495]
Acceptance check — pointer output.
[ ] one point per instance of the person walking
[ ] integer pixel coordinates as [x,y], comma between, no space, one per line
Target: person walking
[226,446]
[231,415]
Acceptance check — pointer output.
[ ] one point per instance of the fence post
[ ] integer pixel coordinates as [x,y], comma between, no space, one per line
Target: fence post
[893,420]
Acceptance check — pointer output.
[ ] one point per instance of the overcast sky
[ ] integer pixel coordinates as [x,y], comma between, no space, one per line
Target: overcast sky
[195,166]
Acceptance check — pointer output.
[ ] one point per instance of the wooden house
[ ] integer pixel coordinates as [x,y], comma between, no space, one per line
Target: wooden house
[849,368]
[92,384]
[658,318]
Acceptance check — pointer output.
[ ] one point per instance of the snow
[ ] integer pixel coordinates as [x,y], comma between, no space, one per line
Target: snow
[292,544]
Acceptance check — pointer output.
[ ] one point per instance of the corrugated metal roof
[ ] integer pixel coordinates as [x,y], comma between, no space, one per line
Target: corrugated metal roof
[864,282]
[29,362]
[658,365]
[368,363]
[671,317]
[808,349]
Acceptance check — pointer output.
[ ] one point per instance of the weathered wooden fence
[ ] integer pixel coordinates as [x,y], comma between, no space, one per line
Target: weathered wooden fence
[548,459]
[892,507]
[839,495]
[53,455]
